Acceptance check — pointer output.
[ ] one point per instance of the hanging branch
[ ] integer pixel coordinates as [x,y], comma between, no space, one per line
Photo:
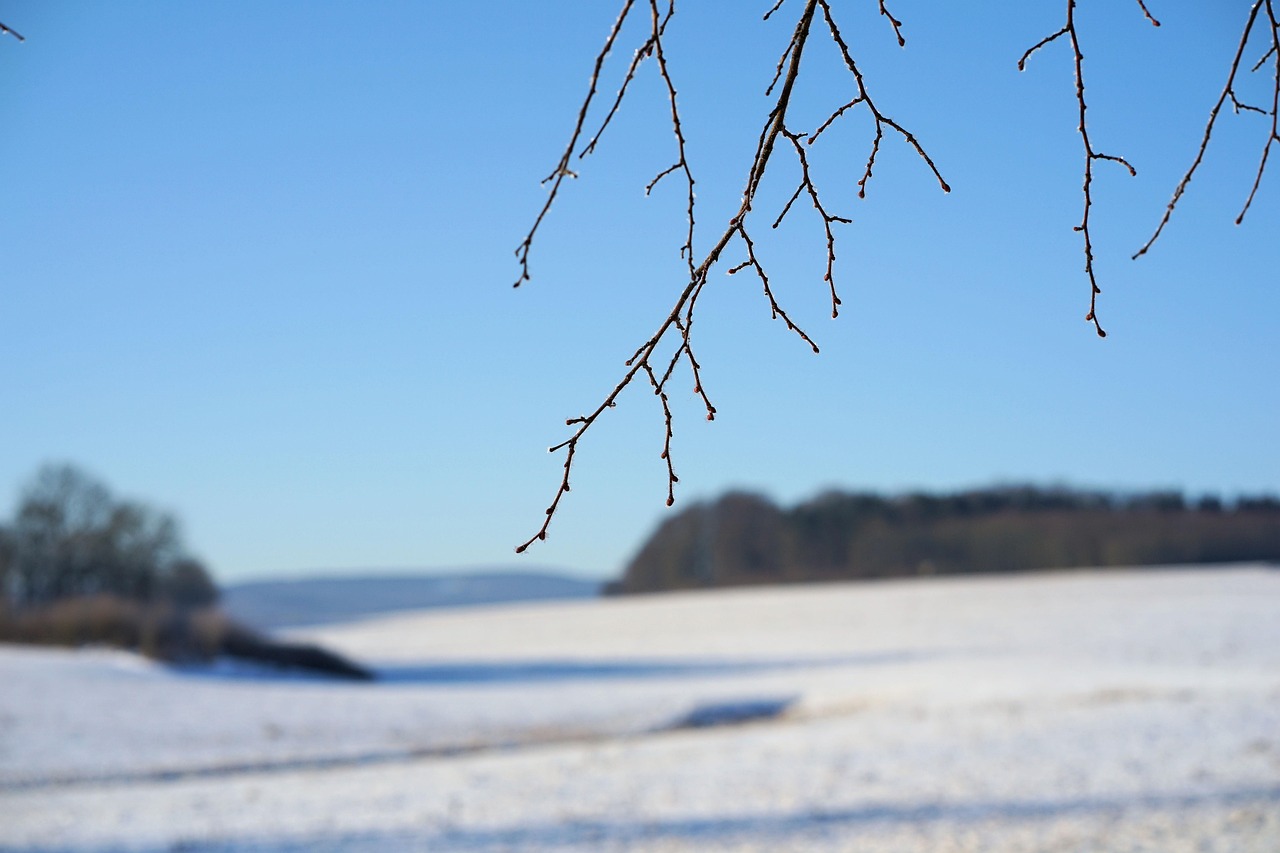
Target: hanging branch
[1090,155]
[10,31]
[682,163]
[1229,95]
[562,171]
[1274,136]
[881,120]
[678,324]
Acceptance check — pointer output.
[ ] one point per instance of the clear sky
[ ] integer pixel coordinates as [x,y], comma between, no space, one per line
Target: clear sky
[256,265]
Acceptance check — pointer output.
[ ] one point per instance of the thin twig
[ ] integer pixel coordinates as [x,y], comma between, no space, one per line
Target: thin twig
[776,7]
[682,162]
[774,307]
[1228,94]
[642,53]
[1262,59]
[11,31]
[1274,135]
[1090,154]
[896,24]
[562,170]
[777,74]
[880,118]
[1022,63]
[806,184]
[672,479]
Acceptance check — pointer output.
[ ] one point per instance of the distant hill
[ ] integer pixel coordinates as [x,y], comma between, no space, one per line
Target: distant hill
[275,604]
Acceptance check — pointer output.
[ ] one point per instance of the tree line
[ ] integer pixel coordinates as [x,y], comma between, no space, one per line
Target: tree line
[744,538]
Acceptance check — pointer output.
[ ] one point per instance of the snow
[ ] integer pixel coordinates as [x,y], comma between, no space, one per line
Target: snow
[1073,711]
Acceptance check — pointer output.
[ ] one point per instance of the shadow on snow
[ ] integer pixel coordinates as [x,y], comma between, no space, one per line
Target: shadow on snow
[776,828]
[510,671]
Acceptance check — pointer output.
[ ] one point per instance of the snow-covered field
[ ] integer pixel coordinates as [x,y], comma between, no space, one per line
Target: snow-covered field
[1059,712]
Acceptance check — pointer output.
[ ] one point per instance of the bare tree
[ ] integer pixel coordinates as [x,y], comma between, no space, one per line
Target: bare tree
[671,347]
[70,537]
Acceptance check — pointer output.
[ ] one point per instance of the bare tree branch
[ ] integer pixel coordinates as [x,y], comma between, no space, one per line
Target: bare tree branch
[1090,155]
[776,7]
[682,161]
[1147,12]
[1270,52]
[679,322]
[4,29]
[562,170]
[895,23]
[1229,95]
[1274,135]
[880,118]
[644,52]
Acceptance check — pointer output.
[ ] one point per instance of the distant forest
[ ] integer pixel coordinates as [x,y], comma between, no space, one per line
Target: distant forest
[744,539]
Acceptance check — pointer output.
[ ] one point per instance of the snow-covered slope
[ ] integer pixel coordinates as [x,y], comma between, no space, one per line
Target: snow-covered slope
[1078,711]
[274,604]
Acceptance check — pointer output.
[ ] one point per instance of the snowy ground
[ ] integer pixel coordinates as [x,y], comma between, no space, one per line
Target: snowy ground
[1067,712]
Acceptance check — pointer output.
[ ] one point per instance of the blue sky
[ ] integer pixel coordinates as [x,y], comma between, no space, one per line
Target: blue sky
[255,268]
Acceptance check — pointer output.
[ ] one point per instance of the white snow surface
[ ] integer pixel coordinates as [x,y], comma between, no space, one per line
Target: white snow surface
[1118,710]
